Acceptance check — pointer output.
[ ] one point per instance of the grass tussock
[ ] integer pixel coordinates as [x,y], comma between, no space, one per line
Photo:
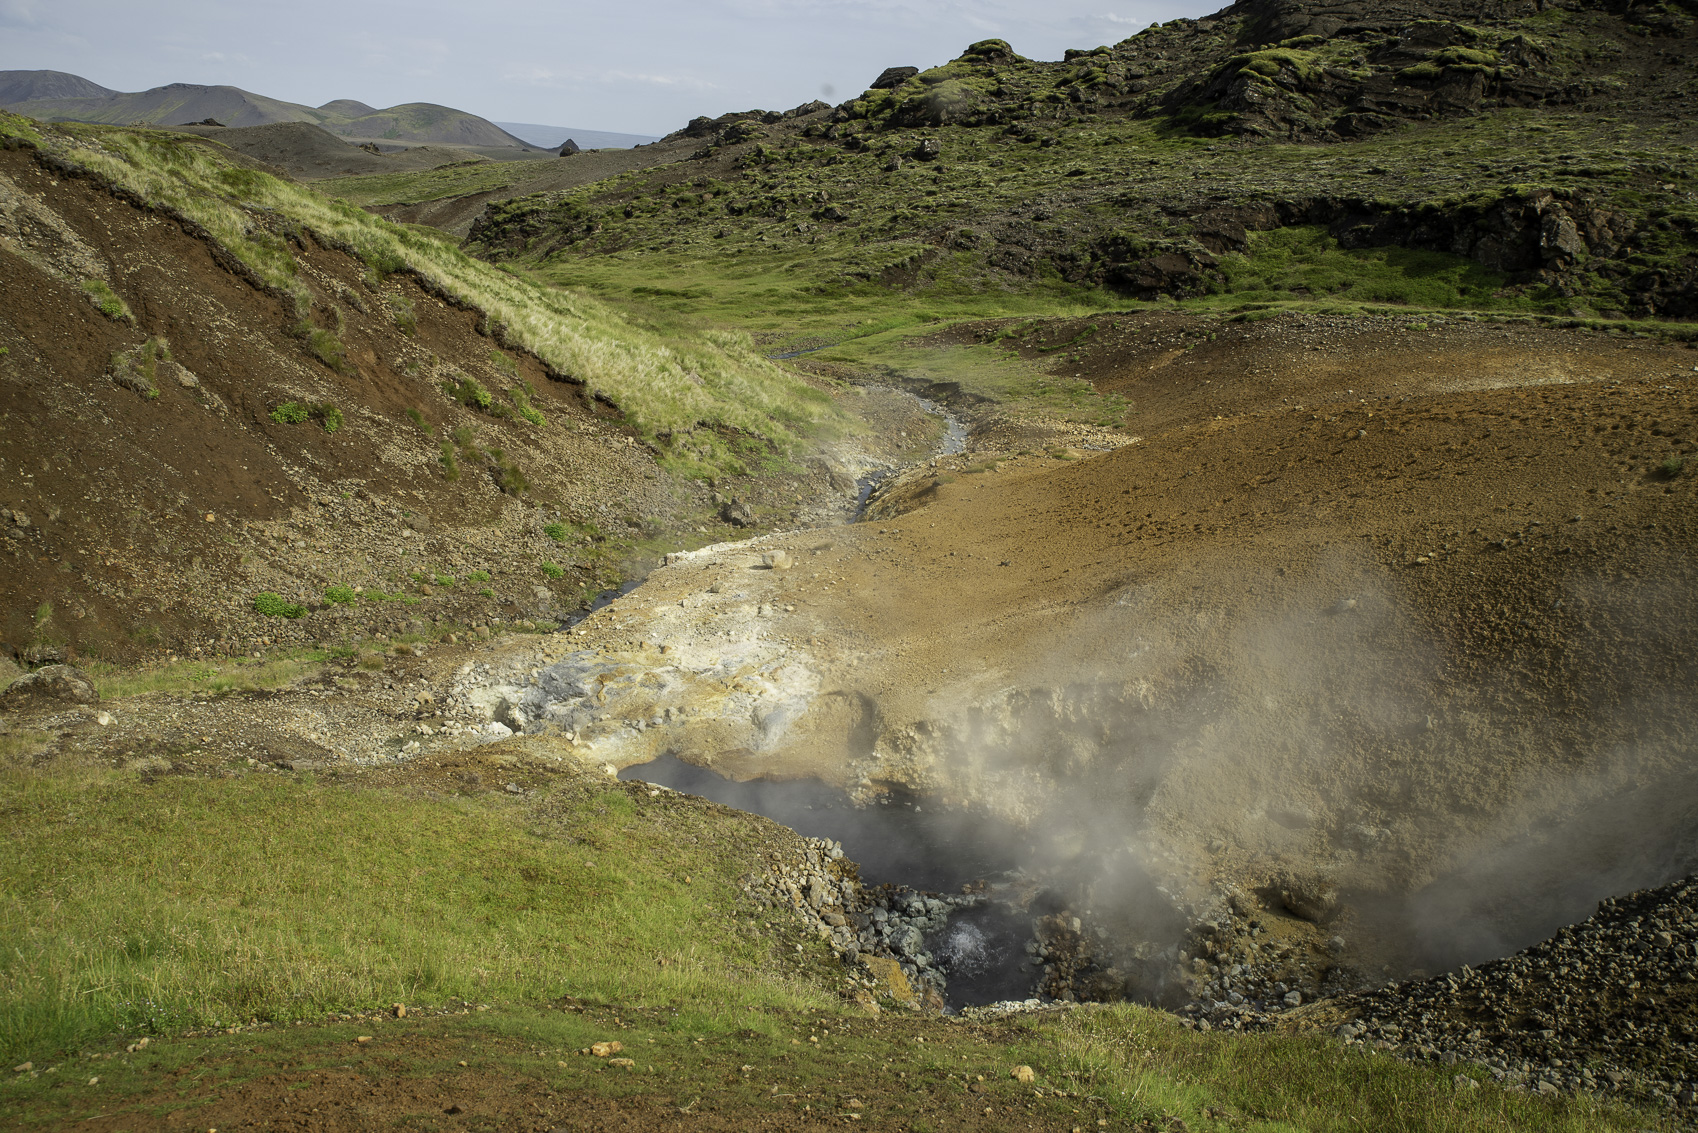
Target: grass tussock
[276,606]
[107,301]
[294,413]
[137,369]
[674,387]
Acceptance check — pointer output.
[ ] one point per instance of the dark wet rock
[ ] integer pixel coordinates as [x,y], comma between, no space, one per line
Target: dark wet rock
[1604,1006]
[45,653]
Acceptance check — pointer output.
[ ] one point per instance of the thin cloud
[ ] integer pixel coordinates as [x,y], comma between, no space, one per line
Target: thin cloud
[18,14]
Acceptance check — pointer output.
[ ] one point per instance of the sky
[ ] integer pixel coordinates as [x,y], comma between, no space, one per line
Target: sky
[643,67]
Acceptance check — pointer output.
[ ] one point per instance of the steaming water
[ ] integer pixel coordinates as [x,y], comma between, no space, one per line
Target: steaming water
[983,953]
[906,842]
[910,842]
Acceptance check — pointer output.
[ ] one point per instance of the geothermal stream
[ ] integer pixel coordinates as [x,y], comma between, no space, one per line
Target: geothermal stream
[953,442]
[938,886]
[1071,826]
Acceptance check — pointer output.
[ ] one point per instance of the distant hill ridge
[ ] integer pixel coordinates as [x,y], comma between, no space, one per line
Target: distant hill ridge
[551,137]
[17,86]
[55,96]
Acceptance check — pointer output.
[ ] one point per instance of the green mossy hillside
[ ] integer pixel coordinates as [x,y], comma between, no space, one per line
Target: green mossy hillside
[1550,149]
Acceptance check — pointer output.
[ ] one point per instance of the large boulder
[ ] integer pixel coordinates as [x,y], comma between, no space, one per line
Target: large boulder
[571,147]
[53,684]
[892,77]
[737,513]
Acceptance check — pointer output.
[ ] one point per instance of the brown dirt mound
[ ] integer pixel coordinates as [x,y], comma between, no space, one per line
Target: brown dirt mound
[1405,610]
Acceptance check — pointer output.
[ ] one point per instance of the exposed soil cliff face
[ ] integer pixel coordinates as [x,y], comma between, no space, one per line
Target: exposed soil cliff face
[146,509]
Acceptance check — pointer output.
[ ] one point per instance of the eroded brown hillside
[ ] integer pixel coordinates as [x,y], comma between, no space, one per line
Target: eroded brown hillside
[135,520]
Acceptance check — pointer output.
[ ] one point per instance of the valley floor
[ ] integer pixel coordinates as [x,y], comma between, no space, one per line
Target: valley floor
[1424,522]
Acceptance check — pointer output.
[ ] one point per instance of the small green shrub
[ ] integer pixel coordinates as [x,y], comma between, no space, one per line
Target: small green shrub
[107,301]
[291,413]
[487,592]
[138,367]
[522,398]
[444,580]
[276,606]
[510,478]
[383,263]
[327,348]
[478,576]
[468,391]
[555,531]
[450,466]
[339,595]
[401,311]
[418,419]
[1672,467]
[323,344]
[504,363]
[328,415]
[552,570]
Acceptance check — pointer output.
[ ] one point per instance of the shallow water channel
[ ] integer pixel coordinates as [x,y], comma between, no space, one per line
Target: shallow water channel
[952,443]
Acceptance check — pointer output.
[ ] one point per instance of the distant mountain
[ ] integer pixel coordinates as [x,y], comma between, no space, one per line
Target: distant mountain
[349,108]
[551,137]
[56,97]
[21,86]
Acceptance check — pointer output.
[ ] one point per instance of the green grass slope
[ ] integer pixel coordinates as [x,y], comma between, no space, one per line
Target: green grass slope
[211,913]
[700,398]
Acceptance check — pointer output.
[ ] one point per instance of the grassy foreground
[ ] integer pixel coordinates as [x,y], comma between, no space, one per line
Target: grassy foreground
[225,914]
